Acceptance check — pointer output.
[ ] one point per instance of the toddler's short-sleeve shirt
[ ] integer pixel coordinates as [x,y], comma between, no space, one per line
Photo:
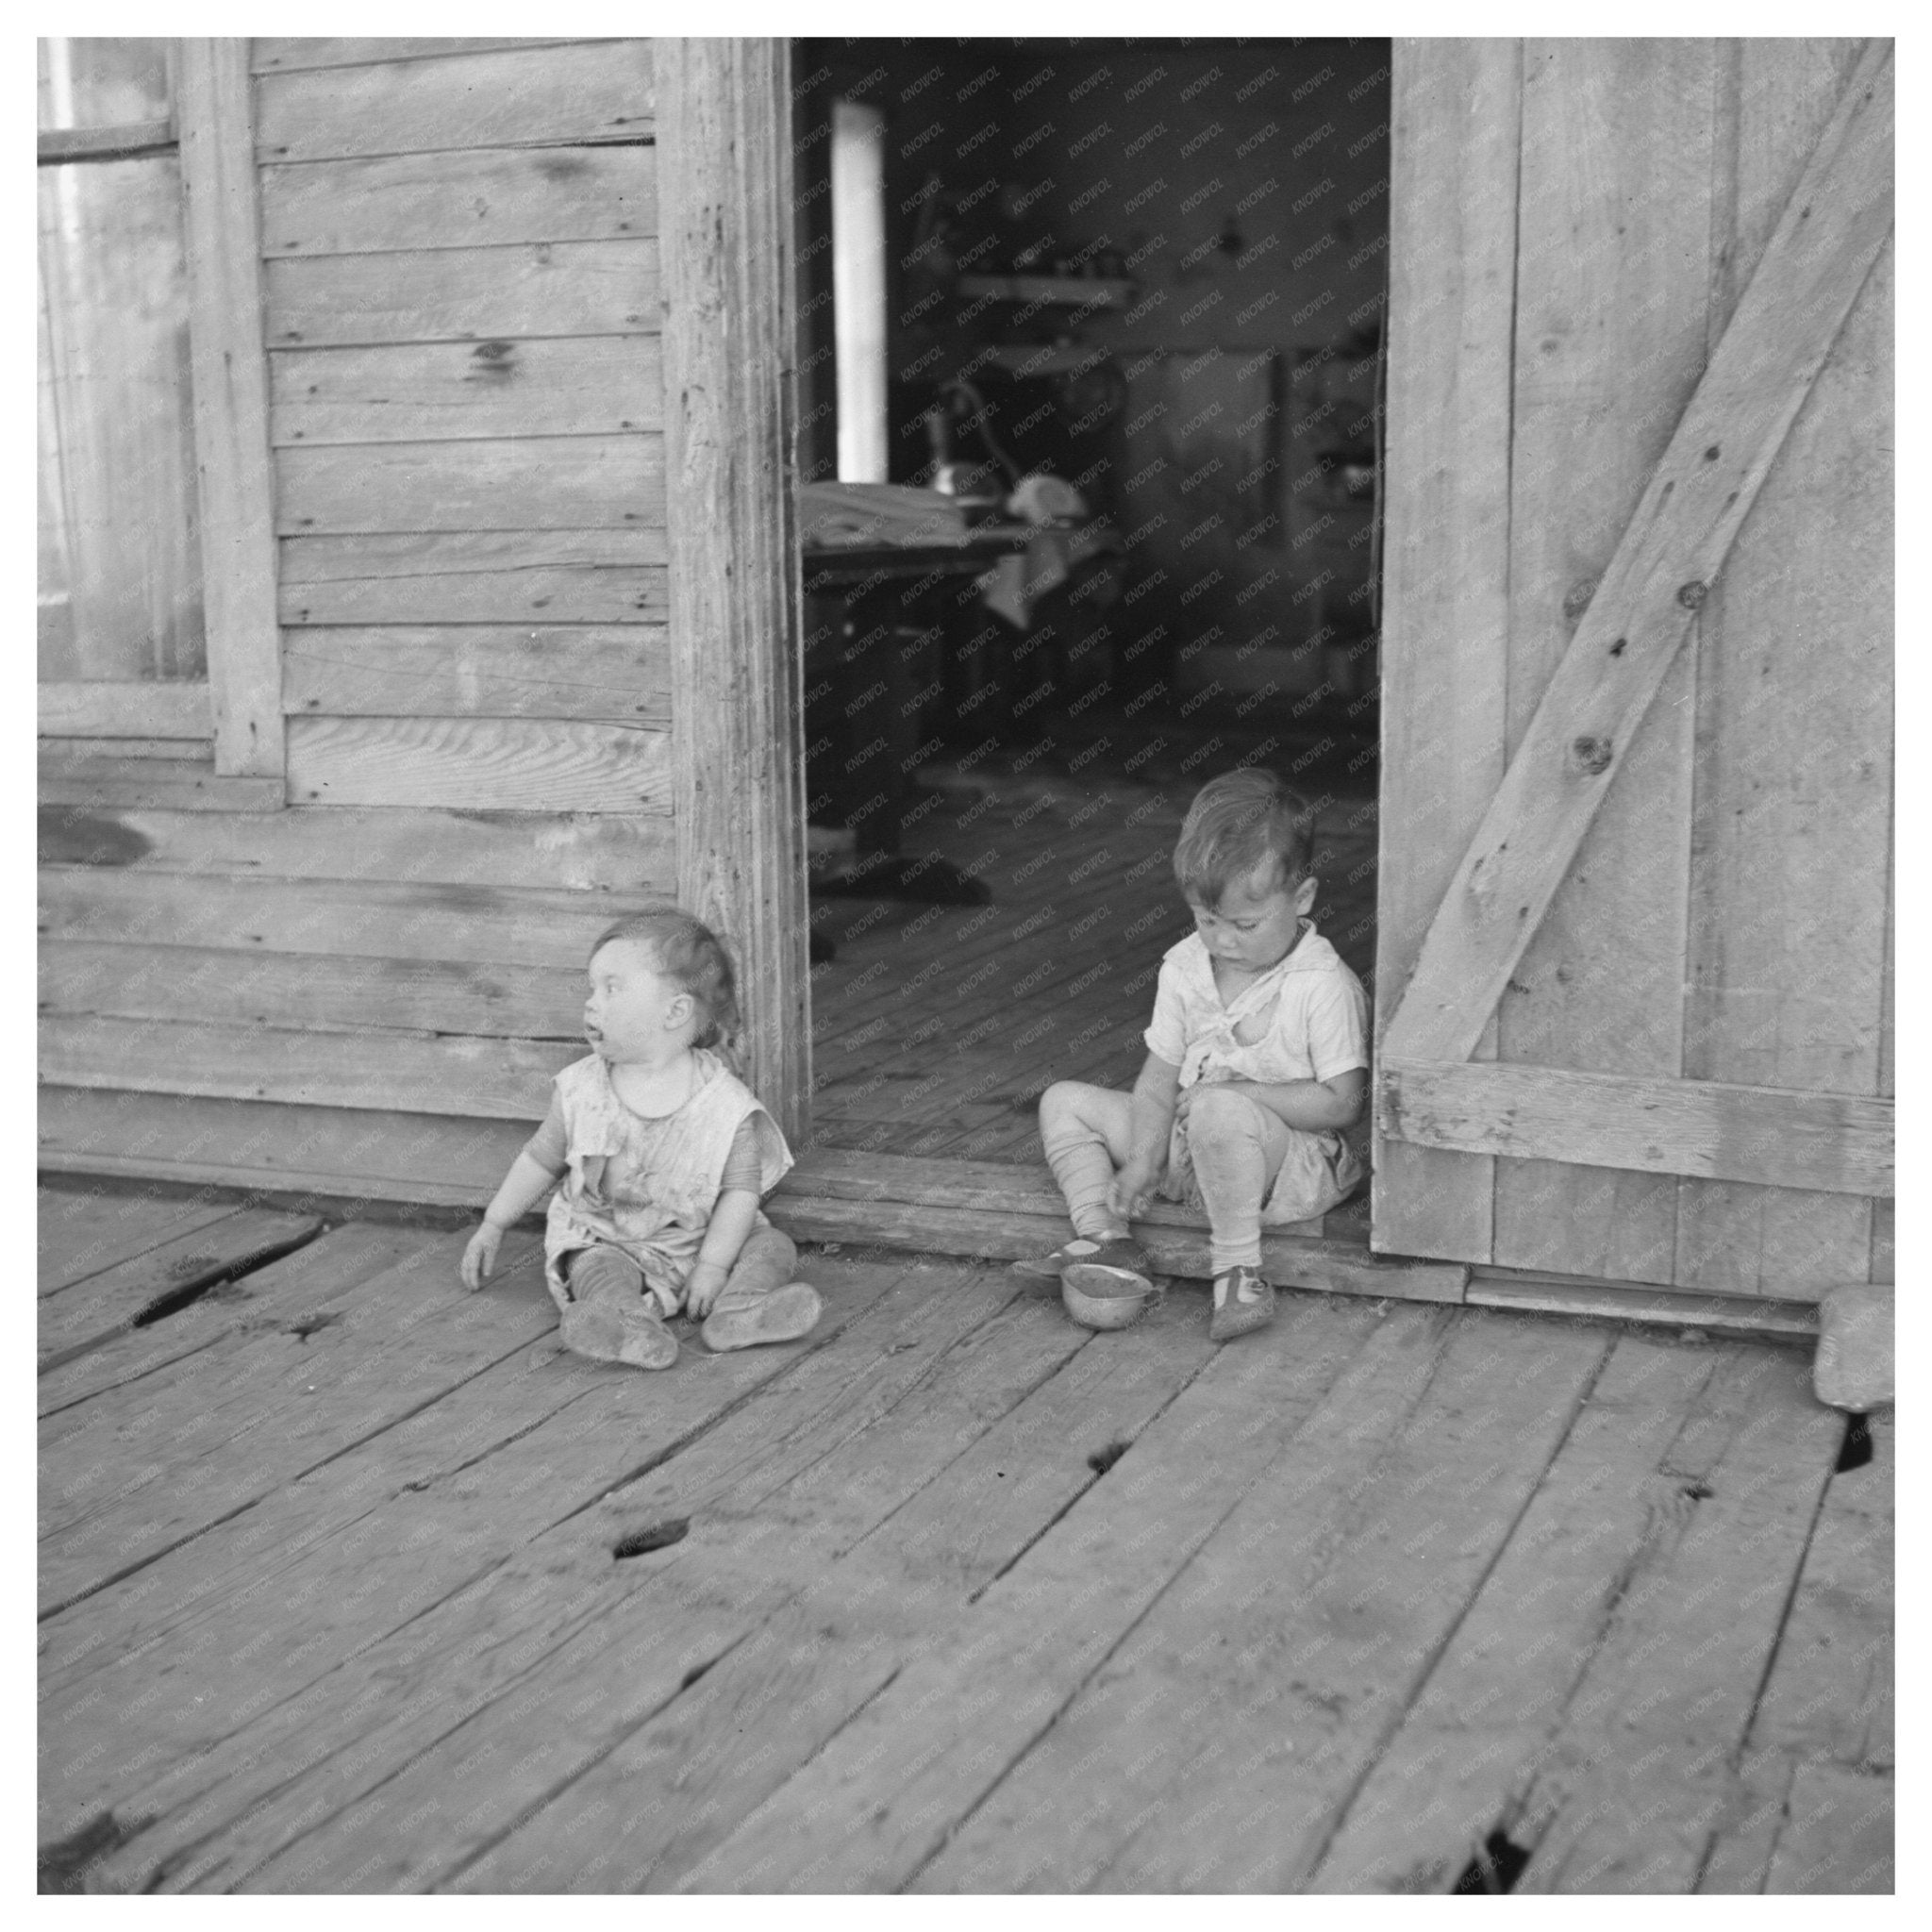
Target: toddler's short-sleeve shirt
[1305,1019]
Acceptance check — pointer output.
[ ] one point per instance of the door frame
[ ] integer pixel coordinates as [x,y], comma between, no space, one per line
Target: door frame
[736,688]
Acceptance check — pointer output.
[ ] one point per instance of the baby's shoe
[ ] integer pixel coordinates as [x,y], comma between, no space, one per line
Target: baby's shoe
[783,1315]
[1243,1300]
[609,1330]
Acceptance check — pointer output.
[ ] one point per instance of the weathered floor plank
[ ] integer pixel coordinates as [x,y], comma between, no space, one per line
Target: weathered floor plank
[1838,1833]
[339,1560]
[553,1592]
[675,1786]
[1827,1703]
[1638,1777]
[81,1232]
[563,1720]
[89,1313]
[968,1599]
[284,1291]
[876,1804]
[1273,1671]
[204,1448]
[1611,1509]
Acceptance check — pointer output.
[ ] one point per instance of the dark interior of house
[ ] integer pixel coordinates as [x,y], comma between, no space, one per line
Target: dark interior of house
[1089,377]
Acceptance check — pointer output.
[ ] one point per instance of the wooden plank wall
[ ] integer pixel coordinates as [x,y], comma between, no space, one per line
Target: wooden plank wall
[368,989]
[1729,916]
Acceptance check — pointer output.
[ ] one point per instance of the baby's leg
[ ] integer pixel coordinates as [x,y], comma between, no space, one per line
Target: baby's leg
[1085,1131]
[1237,1146]
[761,1301]
[613,1317]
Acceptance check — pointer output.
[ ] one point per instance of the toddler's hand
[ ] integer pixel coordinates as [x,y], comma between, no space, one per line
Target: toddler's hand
[1130,1191]
[479,1257]
[702,1288]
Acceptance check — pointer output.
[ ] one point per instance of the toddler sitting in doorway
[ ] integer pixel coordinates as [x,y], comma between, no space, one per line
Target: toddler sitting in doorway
[1257,1061]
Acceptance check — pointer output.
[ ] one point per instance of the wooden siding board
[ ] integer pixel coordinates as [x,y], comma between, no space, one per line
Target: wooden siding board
[1612,286]
[364,918]
[547,577]
[617,673]
[629,852]
[480,1077]
[328,992]
[507,764]
[272,54]
[406,393]
[463,295]
[101,709]
[1446,551]
[386,1157]
[539,483]
[454,200]
[69,778]
[513,97]
[1790,894]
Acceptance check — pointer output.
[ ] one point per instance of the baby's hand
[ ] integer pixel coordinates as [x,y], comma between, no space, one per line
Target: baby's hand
[479,1257]
[702,1288]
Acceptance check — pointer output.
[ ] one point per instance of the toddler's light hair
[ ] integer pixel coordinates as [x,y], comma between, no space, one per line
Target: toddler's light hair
[1236,820]
[692,957]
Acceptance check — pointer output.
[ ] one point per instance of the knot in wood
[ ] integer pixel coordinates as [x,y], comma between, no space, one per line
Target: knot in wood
[1576,600]
[1591,754]
[1691,595]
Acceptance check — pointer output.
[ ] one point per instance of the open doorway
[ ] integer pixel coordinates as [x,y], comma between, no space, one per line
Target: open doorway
[1128,539]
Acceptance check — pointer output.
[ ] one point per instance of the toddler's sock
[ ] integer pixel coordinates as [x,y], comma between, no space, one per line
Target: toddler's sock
[1085,1171]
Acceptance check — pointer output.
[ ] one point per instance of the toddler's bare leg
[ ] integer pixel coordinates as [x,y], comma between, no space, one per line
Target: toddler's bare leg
[761,1301]
[1085,1132]
[1237,1146]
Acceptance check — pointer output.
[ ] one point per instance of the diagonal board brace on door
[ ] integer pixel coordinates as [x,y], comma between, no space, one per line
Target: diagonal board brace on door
[1824,247]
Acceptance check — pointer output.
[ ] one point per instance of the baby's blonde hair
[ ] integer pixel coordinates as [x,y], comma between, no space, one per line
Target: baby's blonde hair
[688,953]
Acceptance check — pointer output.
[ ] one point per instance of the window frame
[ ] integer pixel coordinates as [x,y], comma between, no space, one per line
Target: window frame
[211,131]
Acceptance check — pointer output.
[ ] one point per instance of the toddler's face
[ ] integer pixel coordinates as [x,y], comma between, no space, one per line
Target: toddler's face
[1257,919]
[632,1011]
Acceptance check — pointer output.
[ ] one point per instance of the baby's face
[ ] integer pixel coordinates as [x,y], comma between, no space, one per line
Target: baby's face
[1257,919]
[632,1011]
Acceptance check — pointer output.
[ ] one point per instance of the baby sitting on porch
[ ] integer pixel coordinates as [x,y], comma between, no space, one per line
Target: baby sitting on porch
[1257,1057]
[664,1154]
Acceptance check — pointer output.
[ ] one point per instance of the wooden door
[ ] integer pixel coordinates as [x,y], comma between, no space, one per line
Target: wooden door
[1634,1000]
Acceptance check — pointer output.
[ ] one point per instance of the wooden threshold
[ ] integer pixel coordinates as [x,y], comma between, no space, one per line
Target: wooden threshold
[1001,1211]
[994,1210]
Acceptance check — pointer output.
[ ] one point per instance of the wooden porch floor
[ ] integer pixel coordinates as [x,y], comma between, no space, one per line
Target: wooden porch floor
[953,1597]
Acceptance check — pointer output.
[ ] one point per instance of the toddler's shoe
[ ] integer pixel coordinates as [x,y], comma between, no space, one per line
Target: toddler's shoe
[1051,1266]
[783,1315]
[613,1331]
[1243,1300]
[1115,1265]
